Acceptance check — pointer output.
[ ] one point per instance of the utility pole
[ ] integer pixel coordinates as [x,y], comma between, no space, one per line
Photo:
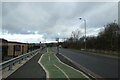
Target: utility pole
[57,39]
[85,30]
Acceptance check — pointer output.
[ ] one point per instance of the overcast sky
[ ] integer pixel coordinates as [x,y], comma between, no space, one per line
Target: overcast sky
[45,21]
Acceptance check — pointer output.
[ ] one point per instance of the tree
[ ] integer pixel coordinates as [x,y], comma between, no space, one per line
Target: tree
[76,35]
[108,36]
[107,39]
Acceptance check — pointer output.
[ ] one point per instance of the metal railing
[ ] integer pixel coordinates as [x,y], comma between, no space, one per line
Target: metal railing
[11,62]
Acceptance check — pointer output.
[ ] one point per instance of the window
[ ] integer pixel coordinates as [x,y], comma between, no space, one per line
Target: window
[17,47]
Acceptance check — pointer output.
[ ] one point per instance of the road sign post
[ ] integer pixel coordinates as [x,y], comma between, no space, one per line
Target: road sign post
[57,39]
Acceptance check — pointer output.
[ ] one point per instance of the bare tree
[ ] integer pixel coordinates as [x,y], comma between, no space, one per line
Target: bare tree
[76,35]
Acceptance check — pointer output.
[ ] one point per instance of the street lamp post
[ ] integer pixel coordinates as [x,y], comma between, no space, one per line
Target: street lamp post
[85,30]
[57,39]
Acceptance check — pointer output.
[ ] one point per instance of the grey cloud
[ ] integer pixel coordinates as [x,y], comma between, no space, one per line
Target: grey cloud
[119,12]
[51,18]
[0,17]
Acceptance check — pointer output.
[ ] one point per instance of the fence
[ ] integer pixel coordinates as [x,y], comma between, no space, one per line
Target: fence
[12,61]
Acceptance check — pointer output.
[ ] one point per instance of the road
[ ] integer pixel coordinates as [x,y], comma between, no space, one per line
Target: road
[102,66]
[30,69]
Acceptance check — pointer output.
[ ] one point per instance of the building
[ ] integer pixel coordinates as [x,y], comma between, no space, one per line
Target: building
[17,48]
[3,48]
[11,49]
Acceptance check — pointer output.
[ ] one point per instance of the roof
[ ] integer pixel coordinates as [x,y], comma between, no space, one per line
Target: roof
[3,40]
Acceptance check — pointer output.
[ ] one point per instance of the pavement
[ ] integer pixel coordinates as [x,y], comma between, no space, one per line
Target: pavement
[30,70]
[102,66]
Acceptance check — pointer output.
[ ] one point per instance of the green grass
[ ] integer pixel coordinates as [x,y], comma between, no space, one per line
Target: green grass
[49,60]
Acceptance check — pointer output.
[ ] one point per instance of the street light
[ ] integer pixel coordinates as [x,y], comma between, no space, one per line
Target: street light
[57,39]
[85,30]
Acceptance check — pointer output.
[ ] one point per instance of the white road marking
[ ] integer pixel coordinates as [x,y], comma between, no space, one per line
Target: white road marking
[49,57]
[62,71]
[89,73]
[47,50]
[71,67]
[39,61]
[47,73]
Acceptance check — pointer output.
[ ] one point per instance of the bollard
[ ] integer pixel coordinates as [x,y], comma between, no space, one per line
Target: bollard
[13,64]
[10,67]
[26,58]
[20,62]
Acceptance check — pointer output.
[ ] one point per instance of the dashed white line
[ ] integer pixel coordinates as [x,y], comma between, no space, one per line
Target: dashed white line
[47,73]
[47,50]
[49,57]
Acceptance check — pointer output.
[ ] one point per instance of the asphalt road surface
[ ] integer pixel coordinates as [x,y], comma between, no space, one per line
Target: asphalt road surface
[102,66]
[31,69]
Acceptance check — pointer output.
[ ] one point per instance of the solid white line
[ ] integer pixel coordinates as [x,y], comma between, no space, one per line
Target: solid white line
[71,67]
[62,71]
[39,61]
[82,67]
[74,68]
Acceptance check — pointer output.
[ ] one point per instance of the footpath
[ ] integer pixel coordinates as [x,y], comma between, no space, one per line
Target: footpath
[31,70]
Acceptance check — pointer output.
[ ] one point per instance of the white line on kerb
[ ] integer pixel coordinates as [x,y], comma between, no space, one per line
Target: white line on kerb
[74,62]
[39,61]
[62,71]
[71,67]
